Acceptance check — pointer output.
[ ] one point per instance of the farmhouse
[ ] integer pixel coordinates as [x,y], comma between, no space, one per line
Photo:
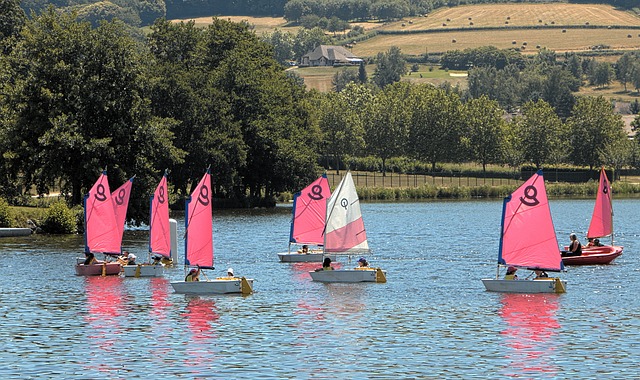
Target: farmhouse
[327,55]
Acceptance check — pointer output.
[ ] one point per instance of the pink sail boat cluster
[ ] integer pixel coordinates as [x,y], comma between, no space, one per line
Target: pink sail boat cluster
[159,235]
[528,240]
[105,215]
[345,234]
[601,226]
[307,224]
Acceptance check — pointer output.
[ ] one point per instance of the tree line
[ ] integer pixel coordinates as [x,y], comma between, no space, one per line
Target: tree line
[76,99]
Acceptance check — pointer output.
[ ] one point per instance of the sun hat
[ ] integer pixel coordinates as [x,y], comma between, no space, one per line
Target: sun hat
[362,260]
[230,271]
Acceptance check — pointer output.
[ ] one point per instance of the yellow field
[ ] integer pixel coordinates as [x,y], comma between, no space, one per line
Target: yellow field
[516,15]
[553,39]
[259,24]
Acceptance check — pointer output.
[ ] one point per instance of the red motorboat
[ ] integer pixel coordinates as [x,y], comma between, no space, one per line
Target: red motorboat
[601,225]
[594,256]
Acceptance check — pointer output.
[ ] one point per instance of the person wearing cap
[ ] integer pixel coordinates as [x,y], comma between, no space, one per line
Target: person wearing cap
[511,274]
[131,259]
[193,275]
[362,263]
[575,248]
[230,272]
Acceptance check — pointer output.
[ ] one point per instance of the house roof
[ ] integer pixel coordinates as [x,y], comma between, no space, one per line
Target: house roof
[332,53]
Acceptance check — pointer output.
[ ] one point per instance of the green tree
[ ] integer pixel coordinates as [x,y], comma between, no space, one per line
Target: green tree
[593,127]
[342,78]
[391,66]
[602,75]
[282,43]
[484,130]
[386,122]
[435,130]
[12,18]
[540,133]
[342,126]
[623,68]
[362,74]
[77,104]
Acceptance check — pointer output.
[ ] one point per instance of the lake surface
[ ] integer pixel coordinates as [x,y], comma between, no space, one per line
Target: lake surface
[432,319]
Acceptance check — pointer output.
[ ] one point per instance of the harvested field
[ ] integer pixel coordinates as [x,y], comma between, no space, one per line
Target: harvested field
[259,24]
[517,14]
[553,39]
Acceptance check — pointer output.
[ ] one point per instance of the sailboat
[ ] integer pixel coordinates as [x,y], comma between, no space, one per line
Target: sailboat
[199,246]
[307,223]
[101,233]
[528,240]
[159,234]
[345,234]
[601,226]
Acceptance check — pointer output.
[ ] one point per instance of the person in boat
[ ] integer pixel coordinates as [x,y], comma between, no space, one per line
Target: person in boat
[304,250]
[326,265]
[230,272]
[124,258]
[162,260]
[596,243]
[589,243]
[194,275]
[90,258]
[540,274]
[511,274]
[131,259]
[575,248]
[362,262]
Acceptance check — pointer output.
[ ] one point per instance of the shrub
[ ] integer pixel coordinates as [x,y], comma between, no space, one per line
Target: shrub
[59,220]
[5,214]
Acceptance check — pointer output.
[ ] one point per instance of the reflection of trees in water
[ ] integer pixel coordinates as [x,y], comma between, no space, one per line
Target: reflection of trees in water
[530,326]
[106,318]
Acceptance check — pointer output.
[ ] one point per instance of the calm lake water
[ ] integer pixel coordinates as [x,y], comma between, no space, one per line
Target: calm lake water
[432,319]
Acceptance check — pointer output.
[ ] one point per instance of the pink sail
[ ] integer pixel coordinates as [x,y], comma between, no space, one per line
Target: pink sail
[309,213]
[102,234]
[344,231]
[159,234]
[602,217]
[120,199]
[199,225]
[528,236]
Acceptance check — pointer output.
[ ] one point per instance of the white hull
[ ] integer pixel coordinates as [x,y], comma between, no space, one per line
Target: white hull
[295,257]
[549,285]
[217,286]
[143,270]
[350,275]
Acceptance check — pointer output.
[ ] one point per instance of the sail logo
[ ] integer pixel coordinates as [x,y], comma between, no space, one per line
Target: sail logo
[316,193]
[605,189]
[100,194]
[344,203]
[203,197]
[120,197]
[161,193]
[530,196]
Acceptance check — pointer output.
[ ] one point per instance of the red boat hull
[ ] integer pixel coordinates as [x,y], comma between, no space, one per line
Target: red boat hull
[594,256]
[112,268]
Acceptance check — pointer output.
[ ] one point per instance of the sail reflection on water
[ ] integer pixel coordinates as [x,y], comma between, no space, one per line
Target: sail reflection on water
[201,314]
[529,328]
[104,319]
